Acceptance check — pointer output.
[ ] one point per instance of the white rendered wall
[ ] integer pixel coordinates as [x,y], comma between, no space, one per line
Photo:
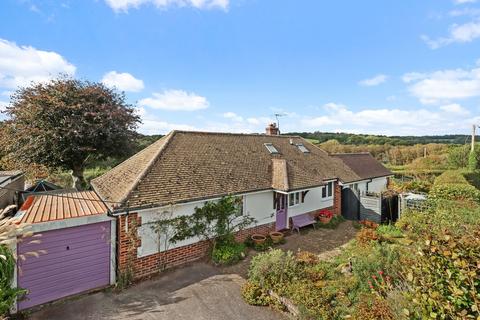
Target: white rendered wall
[378,185]
[313,201]
[258,205]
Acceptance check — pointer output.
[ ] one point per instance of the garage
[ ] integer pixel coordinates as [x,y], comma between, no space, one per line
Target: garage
[73,240]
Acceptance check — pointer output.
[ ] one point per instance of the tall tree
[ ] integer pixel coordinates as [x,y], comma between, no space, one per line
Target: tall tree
[66,122]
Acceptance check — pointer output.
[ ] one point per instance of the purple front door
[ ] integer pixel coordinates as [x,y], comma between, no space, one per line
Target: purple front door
[77,260]
[282,211]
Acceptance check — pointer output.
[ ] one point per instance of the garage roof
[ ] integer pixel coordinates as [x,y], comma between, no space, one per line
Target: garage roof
[52,207]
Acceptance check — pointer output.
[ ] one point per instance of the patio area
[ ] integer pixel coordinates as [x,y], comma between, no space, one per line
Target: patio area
[314,240]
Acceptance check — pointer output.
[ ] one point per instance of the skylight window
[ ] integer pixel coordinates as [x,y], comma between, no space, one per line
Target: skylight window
[271,148]
[302,148]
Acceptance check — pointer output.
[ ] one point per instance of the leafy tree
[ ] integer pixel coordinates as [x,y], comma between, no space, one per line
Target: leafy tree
[66,122]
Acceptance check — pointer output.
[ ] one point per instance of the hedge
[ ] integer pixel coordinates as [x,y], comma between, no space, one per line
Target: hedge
[452,185]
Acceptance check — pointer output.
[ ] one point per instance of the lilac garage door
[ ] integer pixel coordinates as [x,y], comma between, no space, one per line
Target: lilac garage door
[77,259]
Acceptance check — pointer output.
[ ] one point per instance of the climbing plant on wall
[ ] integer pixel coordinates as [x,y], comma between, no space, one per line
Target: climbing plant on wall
[216,221]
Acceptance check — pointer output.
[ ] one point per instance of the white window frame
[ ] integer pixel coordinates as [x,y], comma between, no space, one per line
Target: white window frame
[297,199]
[325,188]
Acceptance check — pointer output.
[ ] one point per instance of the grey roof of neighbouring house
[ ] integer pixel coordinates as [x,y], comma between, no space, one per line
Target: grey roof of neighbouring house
[186,166]
[364,165]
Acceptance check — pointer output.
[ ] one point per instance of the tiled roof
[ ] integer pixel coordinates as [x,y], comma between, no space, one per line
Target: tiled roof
[51,207]
[186,166]
[364,165]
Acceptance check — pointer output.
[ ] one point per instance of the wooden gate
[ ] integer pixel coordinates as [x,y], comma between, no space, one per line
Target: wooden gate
[350,204]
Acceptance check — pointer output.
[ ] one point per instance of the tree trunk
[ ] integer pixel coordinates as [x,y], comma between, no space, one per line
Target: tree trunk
[78,179]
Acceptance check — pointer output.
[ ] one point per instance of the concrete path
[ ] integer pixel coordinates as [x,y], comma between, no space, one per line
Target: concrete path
[196,292]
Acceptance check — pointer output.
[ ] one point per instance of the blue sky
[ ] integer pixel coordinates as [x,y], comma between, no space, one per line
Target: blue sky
[385,67]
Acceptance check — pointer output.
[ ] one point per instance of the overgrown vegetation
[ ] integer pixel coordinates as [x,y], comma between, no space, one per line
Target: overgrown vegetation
[423,267]
[9,231]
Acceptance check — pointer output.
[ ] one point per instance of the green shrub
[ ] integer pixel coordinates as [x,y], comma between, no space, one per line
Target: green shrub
[228,252]
[462,192]
[368,261]
[451,177]
[272,267]
[7,293]
[372,307]
[454,216]
[320,300]
[444,277]
[255,295]
[473,161]
[389,231]
[452,185]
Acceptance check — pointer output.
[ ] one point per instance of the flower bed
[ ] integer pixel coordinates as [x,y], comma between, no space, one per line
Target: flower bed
[425,266]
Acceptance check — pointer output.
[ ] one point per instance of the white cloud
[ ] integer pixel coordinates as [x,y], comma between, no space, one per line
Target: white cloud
[458,33]
[339,118]
[122,81]
[233,116]
[444,85]
[125,5]
[455,108]
[374,81]
[474,12]
[464,1]
[20,65]
[175,100]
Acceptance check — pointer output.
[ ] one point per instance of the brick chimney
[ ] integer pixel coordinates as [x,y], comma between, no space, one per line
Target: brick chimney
[272,130]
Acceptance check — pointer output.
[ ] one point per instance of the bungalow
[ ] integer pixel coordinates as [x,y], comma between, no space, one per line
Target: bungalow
[277,177]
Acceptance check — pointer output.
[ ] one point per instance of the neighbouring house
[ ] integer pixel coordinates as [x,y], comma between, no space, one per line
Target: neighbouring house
[11,182]
[374,176]
[363,199]
[277,177]
[74,238]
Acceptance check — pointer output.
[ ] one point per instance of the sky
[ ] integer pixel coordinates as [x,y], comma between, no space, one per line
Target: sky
[404,67]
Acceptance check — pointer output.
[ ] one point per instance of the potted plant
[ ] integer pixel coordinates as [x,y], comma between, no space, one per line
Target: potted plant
[325,216]
[276,236]
[258,238]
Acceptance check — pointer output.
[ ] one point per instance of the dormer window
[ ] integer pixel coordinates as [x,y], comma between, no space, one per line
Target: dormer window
[302,148]
[271,148]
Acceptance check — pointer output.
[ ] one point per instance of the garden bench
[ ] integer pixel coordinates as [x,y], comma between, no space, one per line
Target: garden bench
[302,220]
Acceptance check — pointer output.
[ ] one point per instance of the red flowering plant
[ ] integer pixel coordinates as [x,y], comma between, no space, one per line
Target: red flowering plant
[381,284]
[325,215]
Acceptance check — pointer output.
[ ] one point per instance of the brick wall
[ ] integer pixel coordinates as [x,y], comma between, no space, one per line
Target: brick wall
[337,199]
[128,243]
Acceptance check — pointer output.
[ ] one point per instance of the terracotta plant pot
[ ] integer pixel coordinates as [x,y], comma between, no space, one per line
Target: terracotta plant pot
[276,236]
[324,219]
[258,238]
